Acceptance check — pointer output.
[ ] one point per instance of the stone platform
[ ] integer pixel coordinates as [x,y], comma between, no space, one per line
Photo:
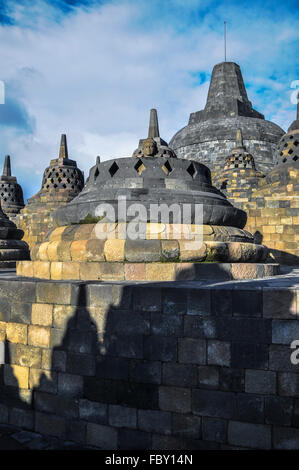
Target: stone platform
[152,365]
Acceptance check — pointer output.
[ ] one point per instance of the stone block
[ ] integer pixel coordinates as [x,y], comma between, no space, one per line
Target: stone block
[192,351]
[250,408]
[279,303]
[16,333]
[50,424]
[148,300]
[108,367]
[122,416]
[78,250]
[70,385]
[213,403]
[160,348]
[129,323]
[53,293]
[95,250]
[260,381]
[44,380]
[56,405]
[104,437]
[285,331]
[285,438]
[41,269]
[249,356]
[145,371]
[288,384]
[214,430]
[23,355]
[71,269]
[221,302]
[76,431]
[199,302]
[39,336]
[3,414]
[62,314]
[154,421]
[278,410]
[147,251]
[99,295]
[175,399]
[247,302]
[135,272]
[131,439]
[280,359]
[22,418]
[93,411]
[174,301]
[166,325]
[16,376]
[114,250]
[41,314]
[196,326]
[80,364]
[231,380]
[20,312]
[187,426]
[56,270]
[208,377]
[256,436]
[219,353]
[179,375]
[160,271]
[5,308]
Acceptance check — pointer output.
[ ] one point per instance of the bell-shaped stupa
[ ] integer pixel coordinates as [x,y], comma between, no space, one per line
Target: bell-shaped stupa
[61,182]
[11,193]
[12,247]
[150,217]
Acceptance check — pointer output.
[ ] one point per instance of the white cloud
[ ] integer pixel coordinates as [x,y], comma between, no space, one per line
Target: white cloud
[96,73]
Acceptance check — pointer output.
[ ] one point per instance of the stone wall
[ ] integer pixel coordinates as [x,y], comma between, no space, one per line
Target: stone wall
[151,366]
[273,212]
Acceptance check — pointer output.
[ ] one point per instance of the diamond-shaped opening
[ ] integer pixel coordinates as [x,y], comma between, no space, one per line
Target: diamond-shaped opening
[286,144]
[291,137]
[140,167]
[284,160]
[167,168]
[191,170]
[295,158]
[296,142]
[290,151]
[113,169]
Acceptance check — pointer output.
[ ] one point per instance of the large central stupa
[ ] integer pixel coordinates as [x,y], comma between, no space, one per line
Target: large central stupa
[210,134]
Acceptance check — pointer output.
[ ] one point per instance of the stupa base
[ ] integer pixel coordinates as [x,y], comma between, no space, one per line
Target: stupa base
[112,271]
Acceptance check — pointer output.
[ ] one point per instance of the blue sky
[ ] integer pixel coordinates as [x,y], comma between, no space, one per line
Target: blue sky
[93,69]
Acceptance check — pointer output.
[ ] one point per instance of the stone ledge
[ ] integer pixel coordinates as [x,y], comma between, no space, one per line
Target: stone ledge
[121,271]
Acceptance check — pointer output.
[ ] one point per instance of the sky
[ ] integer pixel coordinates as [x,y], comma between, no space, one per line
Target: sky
[93,70]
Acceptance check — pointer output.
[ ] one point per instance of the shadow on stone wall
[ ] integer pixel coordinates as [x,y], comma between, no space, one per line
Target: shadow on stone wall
[139,351]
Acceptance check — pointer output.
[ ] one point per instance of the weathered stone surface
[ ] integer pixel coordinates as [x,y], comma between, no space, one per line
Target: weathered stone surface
[260,381]
[122,417]
[257,436]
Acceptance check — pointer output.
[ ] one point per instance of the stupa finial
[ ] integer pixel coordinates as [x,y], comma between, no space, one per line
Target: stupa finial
[239,138]
[153,130]
[7,166]
[63,153]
